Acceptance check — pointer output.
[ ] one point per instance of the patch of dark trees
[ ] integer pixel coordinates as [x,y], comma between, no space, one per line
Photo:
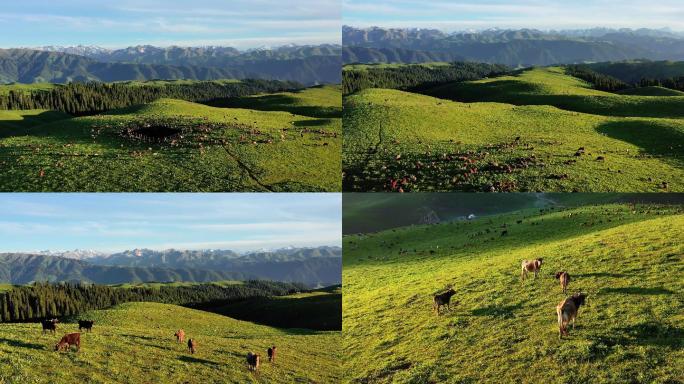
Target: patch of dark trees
[47,300]
[609,83]
[90,98]
[416,77]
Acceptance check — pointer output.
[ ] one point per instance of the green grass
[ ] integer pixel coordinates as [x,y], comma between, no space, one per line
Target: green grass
[322,101]
[432,144]
[627,259]
[223,149]
[134,343]
[651,91]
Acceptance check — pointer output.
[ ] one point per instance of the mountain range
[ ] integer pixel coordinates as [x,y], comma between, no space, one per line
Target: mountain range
[308,65]
[515,48]
[319,266]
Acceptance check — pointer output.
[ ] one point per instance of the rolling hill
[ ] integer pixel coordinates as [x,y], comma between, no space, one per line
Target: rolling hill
[535,130]
[174,145]
[134,343]
[625,257]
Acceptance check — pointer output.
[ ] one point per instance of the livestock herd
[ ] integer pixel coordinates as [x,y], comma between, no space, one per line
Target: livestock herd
[566,310]
[74,339]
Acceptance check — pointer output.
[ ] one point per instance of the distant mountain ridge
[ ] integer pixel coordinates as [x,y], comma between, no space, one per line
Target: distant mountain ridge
[308,65]
[516,48]
[316,266]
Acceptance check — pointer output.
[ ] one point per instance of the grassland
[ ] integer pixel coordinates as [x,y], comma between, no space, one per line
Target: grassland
[627,258]
[220,149]
[134,343]
[513,133]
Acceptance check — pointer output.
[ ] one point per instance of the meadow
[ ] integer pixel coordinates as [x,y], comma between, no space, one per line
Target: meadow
[626,257]
[135,343]
[535,130]
[252,143]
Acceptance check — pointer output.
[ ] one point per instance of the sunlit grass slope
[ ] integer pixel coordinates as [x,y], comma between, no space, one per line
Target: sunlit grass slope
[628,259]
[396,140]
[222,149]
[134,343]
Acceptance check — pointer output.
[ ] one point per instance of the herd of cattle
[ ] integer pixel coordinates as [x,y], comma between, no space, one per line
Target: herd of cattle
[74,339]
[567,309]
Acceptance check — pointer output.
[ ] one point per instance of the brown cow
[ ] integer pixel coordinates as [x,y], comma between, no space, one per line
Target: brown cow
[272,354]
[180,336]
[253,361]
[443,299]
[192,346]
[69,340]
[530,266]
[567,311]
[564,279]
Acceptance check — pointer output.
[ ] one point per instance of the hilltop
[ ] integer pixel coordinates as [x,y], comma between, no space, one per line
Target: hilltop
[174,145]
[538,129]
[622,255]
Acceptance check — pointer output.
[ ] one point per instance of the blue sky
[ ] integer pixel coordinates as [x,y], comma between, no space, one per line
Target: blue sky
[121,23]
[452,15]
[116,222]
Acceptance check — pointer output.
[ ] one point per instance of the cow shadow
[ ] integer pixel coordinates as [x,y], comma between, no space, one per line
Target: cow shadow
[638,291]
[191,359]
[22,344]
[502,312]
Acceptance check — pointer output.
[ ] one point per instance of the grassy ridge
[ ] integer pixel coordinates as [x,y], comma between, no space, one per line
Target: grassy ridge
[626,258]
[134,343]
[432,144]
[257,151]
[323,101]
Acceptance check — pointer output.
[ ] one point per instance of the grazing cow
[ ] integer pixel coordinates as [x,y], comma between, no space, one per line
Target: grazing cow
[192,346]
[531,266]
[253,361]
[443,299]
[271,354]
[86,324]
[49,325]
[564,279]
[69,340]
[567,311]
[180,336]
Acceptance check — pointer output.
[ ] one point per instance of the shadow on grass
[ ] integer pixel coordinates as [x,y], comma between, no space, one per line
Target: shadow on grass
[191,359]
[504,312]
[654,138]
[638,291]
[15,127]
[598,274]
[648,333]
[22,344]
[311,123]
[283,103]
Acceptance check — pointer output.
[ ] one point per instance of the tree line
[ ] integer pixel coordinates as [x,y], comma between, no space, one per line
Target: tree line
[676,83]
[47,300]
[416,76]
[94,97]
[600,81]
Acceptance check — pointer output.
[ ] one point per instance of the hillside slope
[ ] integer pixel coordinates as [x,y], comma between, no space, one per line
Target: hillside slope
[626,258]
[218,149]
[527,141]
[134,343]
